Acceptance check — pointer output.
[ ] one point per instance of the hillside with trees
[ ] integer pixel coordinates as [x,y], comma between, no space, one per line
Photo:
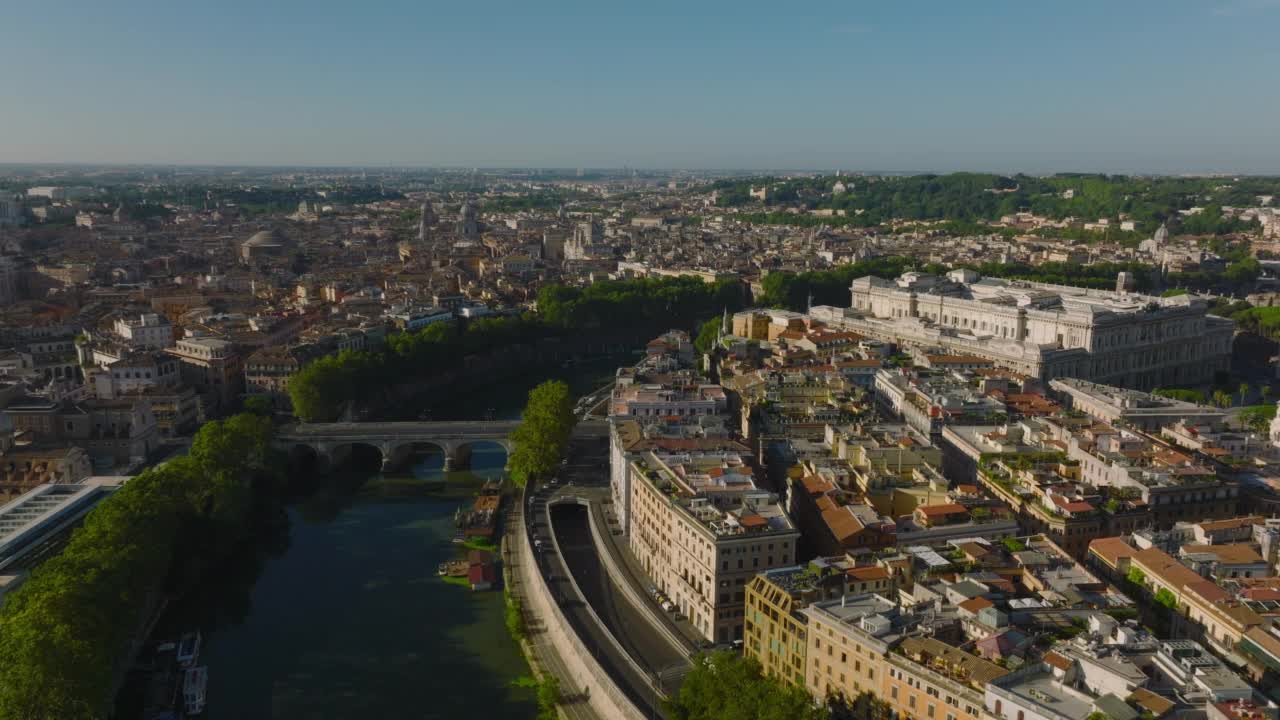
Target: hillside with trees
[1149,201]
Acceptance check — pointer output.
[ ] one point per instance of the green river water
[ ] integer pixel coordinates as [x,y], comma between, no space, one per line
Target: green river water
[340,613]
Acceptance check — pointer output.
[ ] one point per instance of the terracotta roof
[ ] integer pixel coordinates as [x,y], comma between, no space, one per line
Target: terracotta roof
[1166,569]
[941,510]
[1209,590]
[973,549]
[1232,524]
[869,573]
[974,605]
[1157,704]
[1230,553]
[1111,550]
[843,523]
[1058,661]
[817,485]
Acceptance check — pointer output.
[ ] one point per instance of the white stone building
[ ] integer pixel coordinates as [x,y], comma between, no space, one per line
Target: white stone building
[1044,330]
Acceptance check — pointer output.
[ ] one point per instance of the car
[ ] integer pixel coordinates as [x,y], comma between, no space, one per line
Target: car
[666,605]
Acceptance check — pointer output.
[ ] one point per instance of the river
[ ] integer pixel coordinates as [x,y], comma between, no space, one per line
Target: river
[339,612]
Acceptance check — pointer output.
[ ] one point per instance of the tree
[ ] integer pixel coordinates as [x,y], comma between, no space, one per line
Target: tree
[1136,576]
[1265,391]
[707,335]
[1221,398]
[1244,391]
[1166,598]
[66,630]
[726,686]
[258,405]
[543,433]
[1258,417]
[1243,272]
[1194,396]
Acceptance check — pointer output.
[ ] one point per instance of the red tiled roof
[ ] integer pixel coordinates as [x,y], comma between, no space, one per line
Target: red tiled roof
[940,510]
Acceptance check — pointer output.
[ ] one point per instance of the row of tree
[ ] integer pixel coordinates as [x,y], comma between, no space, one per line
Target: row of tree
[543,434]
[327,386]
[66,631]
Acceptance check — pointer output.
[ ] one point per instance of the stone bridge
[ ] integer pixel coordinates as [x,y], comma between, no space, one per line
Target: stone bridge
[397,442]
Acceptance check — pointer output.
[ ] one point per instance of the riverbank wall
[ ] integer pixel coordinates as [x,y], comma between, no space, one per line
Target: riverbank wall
[603,694]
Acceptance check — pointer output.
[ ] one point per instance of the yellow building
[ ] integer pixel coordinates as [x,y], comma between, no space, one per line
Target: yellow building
[774,628]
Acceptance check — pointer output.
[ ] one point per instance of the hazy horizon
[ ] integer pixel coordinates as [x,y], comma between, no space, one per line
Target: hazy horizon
[1145,87]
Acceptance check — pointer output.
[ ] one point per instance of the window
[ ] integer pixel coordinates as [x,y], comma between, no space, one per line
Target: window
[1020,715]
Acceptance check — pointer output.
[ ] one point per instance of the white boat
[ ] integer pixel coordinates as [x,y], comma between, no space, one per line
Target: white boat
[194,684]
[189,649]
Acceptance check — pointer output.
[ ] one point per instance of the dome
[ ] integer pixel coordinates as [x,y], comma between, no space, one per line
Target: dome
[266,238]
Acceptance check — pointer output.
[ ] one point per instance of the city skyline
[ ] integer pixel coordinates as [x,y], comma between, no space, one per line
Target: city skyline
[1142,88]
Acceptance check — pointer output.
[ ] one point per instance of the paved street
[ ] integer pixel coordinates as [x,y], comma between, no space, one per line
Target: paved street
[546,654]
[586,476]
[576,610]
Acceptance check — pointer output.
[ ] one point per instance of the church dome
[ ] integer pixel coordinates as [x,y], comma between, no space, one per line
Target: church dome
[266,238]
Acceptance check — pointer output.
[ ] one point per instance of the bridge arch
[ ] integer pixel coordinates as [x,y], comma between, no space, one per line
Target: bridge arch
[305,457]
[463,451]
[401,454]
[360,455]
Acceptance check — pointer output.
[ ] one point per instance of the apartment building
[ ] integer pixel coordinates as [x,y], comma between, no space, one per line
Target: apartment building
[701,529]
[213,367]
[774,626]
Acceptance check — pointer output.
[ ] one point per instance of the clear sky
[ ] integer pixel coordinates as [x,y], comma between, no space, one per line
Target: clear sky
[1031,85]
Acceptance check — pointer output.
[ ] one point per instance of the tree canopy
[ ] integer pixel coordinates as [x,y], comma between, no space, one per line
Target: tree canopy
[325,387]
[65,632]
[726,686]
[543,433]
[965,196]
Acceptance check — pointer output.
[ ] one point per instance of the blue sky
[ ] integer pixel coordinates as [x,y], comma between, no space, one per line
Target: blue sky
[1030,85]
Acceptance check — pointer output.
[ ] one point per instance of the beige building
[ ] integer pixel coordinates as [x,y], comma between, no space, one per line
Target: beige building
[212,367]
[701,529]
[847,641]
